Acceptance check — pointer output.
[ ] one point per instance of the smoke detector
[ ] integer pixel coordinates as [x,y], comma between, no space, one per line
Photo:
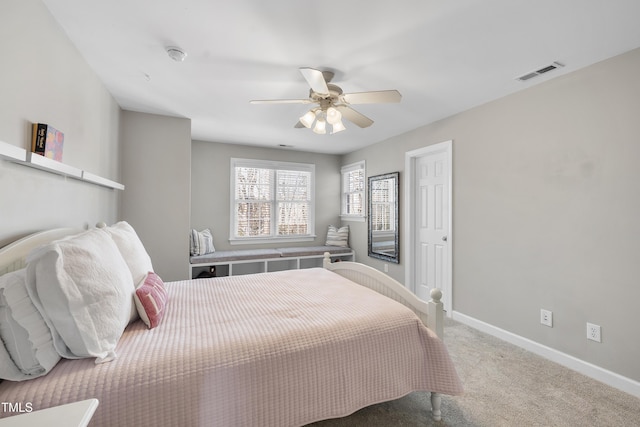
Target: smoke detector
[176,53]
[542,70]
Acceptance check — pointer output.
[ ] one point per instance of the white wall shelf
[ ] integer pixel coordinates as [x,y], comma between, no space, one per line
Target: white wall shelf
[46,164]
[21,156]
[12,153]
[95,179]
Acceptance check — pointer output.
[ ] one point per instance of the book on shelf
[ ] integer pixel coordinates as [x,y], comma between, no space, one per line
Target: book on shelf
[47,141]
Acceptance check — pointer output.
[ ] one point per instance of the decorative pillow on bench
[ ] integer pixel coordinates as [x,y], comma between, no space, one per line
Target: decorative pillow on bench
[201,242]
[338,236]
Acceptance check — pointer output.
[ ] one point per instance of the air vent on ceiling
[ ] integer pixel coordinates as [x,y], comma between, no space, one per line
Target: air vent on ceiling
[540,71]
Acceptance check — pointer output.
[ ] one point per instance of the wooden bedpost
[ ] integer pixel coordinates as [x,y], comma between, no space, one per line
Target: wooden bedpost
[435,313]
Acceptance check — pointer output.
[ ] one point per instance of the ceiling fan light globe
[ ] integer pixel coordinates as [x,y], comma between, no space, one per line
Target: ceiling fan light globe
[321,127]
[333,115]
[307,119]
[337,127]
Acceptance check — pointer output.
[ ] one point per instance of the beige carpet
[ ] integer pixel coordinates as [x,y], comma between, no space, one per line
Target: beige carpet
[505,386]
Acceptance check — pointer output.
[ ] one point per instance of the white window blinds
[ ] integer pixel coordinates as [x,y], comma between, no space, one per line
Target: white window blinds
[353,190]
[271,199]
[382,205]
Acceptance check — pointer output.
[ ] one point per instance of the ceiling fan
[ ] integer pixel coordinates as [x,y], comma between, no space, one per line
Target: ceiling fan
[332,103]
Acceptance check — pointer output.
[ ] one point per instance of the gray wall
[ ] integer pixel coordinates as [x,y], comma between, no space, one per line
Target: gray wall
[44,79]
[156,170]
[210,187]
[379,159]
[546,206]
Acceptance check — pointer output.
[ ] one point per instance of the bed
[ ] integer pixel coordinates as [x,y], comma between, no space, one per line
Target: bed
[283,348]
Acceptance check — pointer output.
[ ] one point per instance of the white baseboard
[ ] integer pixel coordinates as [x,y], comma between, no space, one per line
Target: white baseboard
[607,377]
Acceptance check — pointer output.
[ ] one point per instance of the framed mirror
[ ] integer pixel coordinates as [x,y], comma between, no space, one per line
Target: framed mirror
[383,216]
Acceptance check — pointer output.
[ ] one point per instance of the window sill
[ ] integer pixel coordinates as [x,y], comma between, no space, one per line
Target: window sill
[279,240]
[353,218]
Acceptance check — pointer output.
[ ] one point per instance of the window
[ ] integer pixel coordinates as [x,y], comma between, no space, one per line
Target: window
[271,201]
[353,191]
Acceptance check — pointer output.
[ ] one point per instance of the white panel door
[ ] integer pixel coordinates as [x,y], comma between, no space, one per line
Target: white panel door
[431,266]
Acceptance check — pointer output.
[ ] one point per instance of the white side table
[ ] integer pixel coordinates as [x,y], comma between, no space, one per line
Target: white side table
[77,414]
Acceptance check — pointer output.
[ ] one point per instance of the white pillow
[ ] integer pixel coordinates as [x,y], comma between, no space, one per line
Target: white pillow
[26,337]
[338,236]
[134,254]
[83,288]
[201,242]
[8,370]
[132,250]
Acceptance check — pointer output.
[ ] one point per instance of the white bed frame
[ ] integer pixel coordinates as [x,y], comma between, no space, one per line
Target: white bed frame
[431,313]
[12,257]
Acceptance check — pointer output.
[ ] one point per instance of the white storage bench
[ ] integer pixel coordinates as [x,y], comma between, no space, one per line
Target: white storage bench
[247,261]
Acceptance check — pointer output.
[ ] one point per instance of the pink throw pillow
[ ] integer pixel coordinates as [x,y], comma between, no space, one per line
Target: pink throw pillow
[151,299]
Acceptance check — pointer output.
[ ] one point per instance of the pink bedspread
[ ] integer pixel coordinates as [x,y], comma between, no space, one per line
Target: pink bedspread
[275,349]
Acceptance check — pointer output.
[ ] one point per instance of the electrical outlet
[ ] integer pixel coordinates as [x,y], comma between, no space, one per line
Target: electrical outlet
[386,267]
[593,332]
[546,318]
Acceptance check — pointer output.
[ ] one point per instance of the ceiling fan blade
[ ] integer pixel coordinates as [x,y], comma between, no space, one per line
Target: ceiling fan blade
[374,97]
[316,80]
[299,125]
[281,101]
[354,117]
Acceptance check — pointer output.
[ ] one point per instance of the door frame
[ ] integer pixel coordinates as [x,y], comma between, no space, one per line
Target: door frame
[409,237]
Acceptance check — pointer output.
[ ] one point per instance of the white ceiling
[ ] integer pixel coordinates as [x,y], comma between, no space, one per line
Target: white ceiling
[444,56]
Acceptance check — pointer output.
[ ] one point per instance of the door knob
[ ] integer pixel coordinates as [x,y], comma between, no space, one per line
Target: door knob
[444,238]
